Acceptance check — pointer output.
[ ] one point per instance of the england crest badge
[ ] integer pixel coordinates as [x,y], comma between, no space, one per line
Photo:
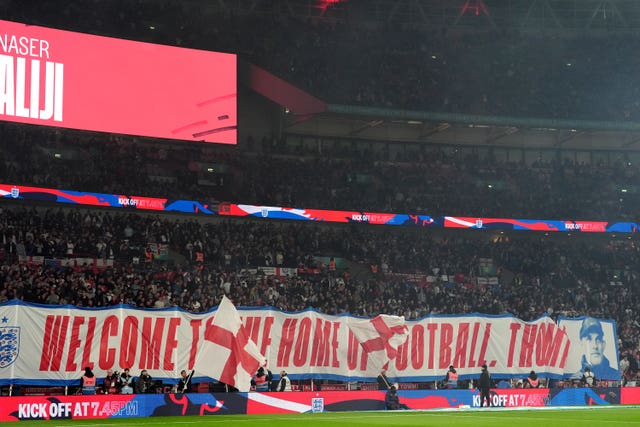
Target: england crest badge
[9,345]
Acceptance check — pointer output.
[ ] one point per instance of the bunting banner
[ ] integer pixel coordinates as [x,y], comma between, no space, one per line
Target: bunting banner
[51,345]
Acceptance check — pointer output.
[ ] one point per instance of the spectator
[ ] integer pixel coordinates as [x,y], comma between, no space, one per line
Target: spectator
[184,383]
[144,383]
[383,381]
[110,383]
[588,378]
[126,382]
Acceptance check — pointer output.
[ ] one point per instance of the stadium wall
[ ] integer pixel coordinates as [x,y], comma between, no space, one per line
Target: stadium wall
[134,406]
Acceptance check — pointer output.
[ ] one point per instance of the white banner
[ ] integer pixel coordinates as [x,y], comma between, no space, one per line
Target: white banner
[53,344]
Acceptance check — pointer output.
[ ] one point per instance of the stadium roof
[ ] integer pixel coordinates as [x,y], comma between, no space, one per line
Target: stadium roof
[381,124]
[557,16]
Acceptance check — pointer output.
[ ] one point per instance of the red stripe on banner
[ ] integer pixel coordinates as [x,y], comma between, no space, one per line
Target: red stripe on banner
[238,354]
[386,333]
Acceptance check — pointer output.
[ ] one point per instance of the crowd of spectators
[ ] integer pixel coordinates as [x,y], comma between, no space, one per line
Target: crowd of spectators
[425,182]
[440,183]
[558,275]
[103,163]
[499,73]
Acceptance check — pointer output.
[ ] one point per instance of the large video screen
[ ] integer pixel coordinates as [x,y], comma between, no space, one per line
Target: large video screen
[80,81]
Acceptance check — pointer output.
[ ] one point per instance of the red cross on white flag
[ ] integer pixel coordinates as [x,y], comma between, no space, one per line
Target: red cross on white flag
[380,337]
[228,354]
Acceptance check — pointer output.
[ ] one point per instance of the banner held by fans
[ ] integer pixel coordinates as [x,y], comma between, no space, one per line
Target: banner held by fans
[50,345]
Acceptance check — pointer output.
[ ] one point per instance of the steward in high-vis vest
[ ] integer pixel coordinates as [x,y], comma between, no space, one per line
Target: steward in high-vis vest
[451,378]
[88,382]
[533,380]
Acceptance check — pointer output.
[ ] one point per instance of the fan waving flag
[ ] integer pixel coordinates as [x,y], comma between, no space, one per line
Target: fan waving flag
[380,337]
[227,353]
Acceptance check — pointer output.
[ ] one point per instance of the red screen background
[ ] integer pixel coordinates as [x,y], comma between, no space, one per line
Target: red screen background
[136,88]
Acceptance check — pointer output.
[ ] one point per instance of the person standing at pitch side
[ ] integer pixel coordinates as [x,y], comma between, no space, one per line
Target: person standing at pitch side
[484,384]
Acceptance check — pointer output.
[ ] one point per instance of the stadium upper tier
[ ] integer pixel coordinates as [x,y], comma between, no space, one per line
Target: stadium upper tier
[503,71]
[433,181]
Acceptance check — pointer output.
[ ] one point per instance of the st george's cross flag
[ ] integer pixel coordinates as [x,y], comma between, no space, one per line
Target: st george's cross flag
[228,354]
[380,337]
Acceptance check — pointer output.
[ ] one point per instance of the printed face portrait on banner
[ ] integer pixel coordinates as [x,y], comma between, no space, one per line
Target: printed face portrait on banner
[595,347]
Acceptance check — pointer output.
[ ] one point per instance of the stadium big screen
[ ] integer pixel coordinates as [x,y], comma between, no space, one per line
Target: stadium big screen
[80,81]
